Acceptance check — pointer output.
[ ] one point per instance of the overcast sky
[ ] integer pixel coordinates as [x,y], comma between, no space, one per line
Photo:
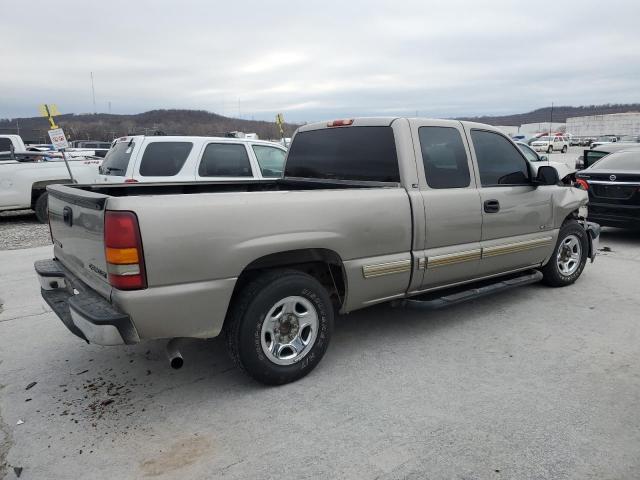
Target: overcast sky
[316,60]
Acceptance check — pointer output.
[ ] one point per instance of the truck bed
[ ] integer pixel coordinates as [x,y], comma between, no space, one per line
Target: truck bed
[173,188]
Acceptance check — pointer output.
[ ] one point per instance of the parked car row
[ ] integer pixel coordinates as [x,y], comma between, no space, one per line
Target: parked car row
[26,171]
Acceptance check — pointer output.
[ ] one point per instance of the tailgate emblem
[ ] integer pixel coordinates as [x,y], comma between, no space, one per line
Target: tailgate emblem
[613,178]
[67,216]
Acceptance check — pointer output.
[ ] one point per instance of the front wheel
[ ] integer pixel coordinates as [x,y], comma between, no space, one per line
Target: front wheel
[279,326]
[569,257]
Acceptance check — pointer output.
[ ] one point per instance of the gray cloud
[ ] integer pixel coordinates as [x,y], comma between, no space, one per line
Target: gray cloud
[316,60]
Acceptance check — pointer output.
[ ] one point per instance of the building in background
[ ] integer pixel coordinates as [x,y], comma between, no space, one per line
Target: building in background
[611,124]
[508,129]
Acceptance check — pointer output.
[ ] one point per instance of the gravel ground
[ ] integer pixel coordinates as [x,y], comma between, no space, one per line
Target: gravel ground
[21,229]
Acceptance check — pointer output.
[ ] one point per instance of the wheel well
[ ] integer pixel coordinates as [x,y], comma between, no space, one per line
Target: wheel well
[322,264]
[572,216]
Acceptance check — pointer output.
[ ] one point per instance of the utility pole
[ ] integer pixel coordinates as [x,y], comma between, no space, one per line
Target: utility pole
[93,94]
[551,121]
[109,107]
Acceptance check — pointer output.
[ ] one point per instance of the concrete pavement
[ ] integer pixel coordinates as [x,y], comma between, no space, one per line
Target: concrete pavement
[536,383]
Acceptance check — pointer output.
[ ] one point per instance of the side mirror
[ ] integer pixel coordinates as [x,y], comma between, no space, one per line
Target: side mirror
[546,176]
[544,158]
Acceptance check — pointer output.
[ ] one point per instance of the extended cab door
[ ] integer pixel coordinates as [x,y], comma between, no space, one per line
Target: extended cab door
[517,217]
[451,203]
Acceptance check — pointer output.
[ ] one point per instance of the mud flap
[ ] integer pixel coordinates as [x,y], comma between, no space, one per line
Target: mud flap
[593,235]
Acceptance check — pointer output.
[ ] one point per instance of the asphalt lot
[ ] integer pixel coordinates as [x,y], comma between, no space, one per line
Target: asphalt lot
[536,383]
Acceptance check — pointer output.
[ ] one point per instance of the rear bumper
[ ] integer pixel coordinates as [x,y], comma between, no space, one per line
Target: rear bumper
[613,215]
[83,311]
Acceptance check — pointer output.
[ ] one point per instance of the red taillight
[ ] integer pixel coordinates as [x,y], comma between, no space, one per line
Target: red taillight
[130,180]
[123,251]
[582,184]
[340,123]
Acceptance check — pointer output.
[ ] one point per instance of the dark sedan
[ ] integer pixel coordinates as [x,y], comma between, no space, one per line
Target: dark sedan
[613,183]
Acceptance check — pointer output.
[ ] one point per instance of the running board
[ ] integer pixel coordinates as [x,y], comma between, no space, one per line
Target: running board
[464,293]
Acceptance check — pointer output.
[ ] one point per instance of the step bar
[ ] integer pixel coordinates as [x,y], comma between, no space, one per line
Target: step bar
[437,300]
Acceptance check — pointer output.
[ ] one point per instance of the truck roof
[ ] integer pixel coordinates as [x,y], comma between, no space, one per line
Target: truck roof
[384,122]
[192,138]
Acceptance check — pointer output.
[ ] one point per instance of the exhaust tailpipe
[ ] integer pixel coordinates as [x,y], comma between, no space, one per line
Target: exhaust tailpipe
[173,353]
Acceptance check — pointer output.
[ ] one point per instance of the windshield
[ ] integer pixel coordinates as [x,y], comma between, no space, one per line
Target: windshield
[529,153]
[117,159]
[618,161]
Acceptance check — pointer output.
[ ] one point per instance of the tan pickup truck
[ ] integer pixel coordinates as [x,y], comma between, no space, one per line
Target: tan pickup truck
[371,210]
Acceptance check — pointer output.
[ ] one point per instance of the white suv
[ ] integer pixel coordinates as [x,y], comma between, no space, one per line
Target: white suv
[551,144]
[143,158]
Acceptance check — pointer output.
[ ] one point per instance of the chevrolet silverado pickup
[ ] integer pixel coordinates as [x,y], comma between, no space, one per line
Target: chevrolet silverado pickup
[425,213]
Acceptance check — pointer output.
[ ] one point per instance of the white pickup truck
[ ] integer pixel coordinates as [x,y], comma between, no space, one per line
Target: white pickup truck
[24,177]
[147,159]
[9,143]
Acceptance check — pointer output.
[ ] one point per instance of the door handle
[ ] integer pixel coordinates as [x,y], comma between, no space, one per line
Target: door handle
[492,206]
[67,216]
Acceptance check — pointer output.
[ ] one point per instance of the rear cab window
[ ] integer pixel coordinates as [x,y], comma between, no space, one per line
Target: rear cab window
[500,162]
[344,153]
[164,159]
[117,159]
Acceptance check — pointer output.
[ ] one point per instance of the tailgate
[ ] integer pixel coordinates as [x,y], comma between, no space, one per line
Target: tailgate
[76,217]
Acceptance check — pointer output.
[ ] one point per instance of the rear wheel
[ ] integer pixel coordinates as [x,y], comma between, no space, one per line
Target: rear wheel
[280,326]
[41,208]
[569,257]
[564,149]
[550,149]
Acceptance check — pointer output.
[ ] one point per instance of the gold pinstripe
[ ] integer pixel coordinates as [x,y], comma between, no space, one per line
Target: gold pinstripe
[388,268]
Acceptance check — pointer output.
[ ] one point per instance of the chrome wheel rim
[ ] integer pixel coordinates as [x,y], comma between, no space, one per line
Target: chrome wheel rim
[289,330]
[569,255]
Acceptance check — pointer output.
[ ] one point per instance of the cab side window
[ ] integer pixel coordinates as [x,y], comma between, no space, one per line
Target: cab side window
[225,160]
[270,159]
[444,157]
[499,161]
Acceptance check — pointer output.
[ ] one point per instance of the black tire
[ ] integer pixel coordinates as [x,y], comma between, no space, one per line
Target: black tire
[552,275]
[564,149]
[243,326]
[549,149]
[41,208]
